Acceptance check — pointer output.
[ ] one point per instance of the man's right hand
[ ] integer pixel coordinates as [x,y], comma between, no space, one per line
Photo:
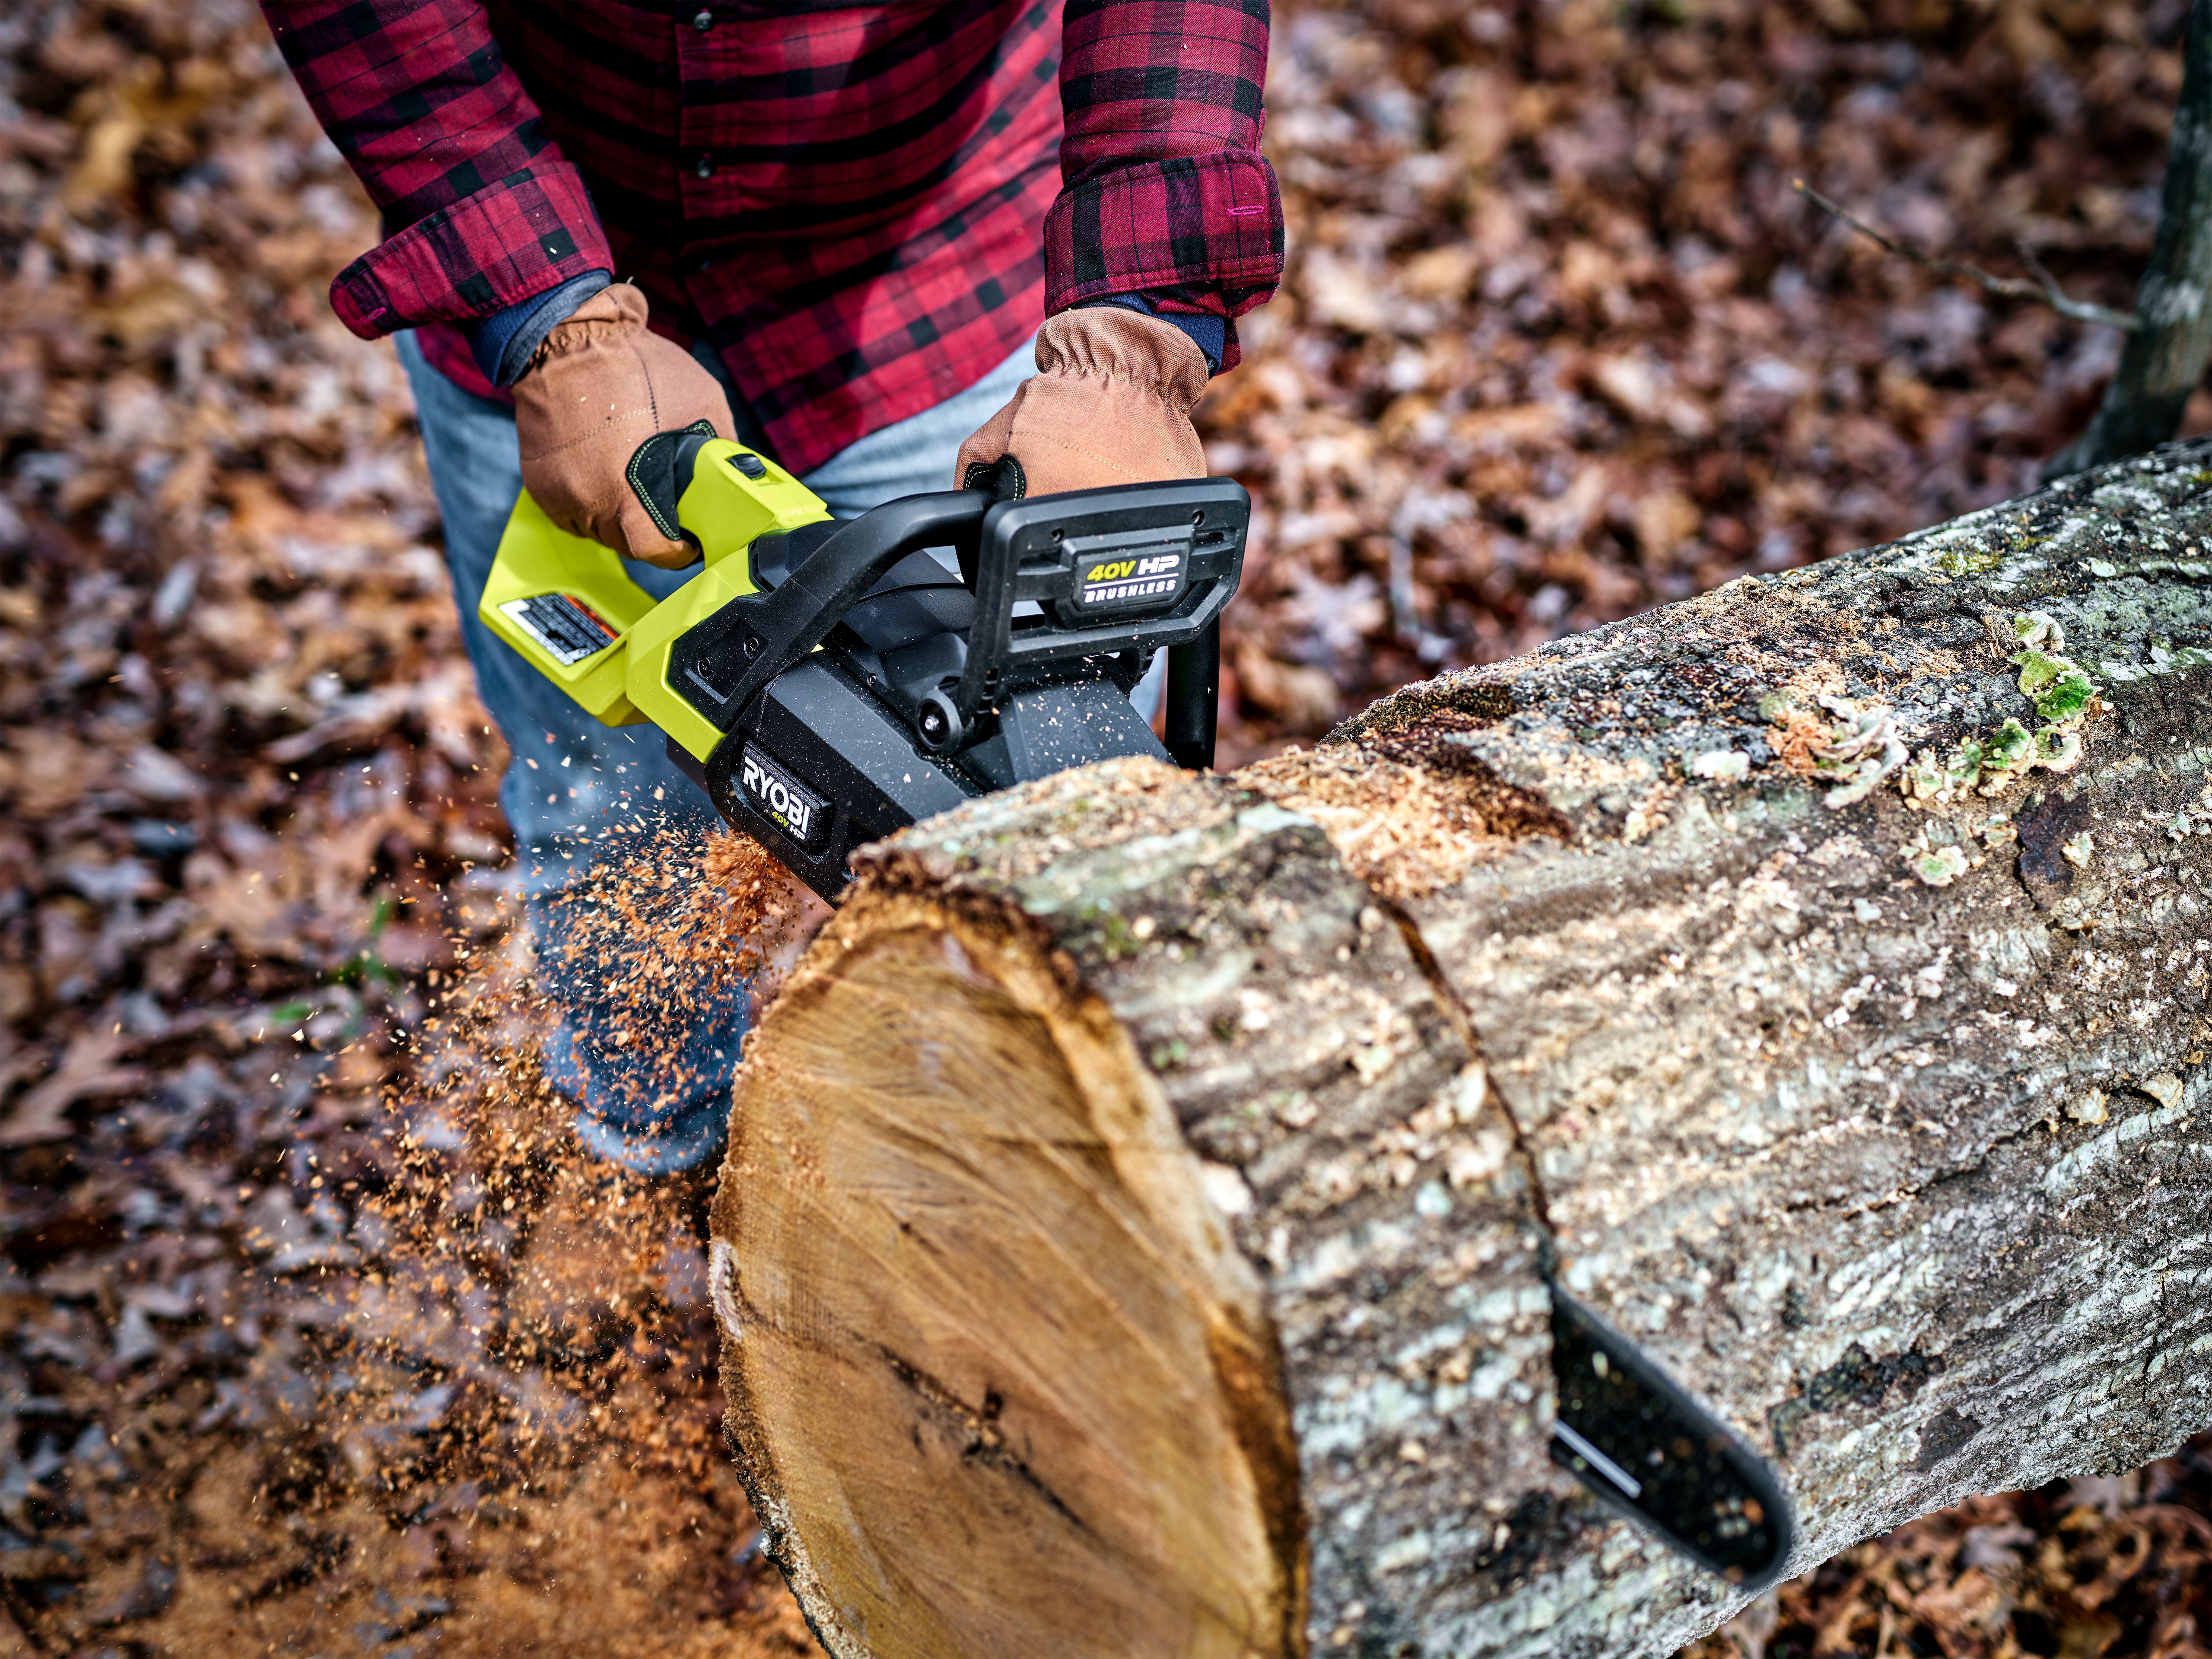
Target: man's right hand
[599,387]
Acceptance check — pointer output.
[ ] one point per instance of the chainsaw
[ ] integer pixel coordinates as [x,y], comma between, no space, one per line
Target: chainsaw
[829,682]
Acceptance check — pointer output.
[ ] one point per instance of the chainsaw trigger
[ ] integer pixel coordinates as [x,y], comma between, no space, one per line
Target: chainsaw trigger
[659,471]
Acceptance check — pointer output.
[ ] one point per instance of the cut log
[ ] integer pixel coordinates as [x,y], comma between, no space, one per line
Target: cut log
[1135,1233]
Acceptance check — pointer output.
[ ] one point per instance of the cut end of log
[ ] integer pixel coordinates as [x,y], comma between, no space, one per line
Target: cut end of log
[1000,1381]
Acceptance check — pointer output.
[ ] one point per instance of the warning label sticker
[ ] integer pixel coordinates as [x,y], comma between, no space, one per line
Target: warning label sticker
[568,631]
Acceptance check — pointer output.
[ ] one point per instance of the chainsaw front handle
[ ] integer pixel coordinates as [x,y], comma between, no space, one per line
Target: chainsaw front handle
[772,631]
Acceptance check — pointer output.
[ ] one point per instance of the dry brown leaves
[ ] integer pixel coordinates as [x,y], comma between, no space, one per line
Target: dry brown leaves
[1556,344]
[2106,1565]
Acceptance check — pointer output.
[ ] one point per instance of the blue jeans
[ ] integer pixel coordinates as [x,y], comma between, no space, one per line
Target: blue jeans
[587,775]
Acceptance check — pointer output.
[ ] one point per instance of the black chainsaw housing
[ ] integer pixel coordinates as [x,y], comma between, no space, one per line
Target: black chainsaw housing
[874,682]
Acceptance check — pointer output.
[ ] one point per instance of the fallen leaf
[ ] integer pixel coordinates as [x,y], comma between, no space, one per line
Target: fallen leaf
[86,1070]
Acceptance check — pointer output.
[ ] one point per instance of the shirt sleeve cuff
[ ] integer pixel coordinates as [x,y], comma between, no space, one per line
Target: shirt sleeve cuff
[514,240]
[1209,334]
[1212,221]
[504,343]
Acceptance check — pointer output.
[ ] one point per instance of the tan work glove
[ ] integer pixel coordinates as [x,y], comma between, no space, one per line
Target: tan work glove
[1110,404]
[599,387]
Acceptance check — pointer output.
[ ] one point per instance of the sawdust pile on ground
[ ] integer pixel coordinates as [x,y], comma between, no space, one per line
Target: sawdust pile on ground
[451,1385]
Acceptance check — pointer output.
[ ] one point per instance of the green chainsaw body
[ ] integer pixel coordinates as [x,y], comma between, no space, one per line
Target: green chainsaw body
[828,682]
[613,657]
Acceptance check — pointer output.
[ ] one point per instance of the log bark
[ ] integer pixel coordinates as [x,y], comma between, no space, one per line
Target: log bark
[1136,1230]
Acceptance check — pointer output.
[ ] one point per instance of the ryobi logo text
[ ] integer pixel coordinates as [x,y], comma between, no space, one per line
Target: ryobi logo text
[782,800]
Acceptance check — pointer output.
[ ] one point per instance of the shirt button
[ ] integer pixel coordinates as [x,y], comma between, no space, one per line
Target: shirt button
[706,167]
[703,21]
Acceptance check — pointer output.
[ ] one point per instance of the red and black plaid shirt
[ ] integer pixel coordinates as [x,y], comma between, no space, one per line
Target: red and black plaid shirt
[863,208]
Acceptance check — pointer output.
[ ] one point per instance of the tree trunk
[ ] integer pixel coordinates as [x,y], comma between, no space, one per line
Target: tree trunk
[2164,360]
[1134,1234]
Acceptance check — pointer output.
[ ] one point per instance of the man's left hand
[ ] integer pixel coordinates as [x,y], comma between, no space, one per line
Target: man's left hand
[1110,404]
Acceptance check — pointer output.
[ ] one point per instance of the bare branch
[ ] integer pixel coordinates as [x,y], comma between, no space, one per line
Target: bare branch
[2045,290]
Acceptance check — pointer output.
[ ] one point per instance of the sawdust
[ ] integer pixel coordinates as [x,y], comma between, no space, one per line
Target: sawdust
[1407,824]
[482,1417]
[672,936]
[602,1560]
[1799,740]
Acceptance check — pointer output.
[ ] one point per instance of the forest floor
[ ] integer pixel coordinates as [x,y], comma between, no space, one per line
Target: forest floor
[290,1352]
